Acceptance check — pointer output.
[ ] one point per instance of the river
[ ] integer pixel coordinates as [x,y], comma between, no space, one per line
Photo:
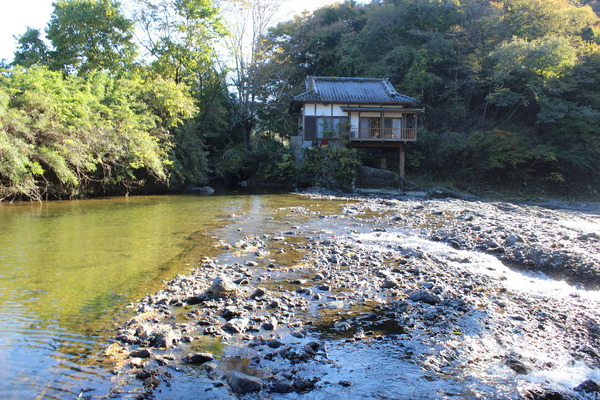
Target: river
[68,269]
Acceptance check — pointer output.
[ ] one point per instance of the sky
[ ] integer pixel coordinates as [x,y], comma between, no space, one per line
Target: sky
[17,15]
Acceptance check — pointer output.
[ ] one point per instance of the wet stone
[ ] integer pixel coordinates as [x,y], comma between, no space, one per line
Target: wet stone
[270,324]
[241,383]
[199,358]
[588,386]
[274,343]
[164,336]
[140,353]
[282,386]
[517,366]
[231,312]
[424,296]
[389,283]
[237,325]
[223,287]
[303,385]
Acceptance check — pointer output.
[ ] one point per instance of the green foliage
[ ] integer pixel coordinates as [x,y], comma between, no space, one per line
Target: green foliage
[32,50]
[277,163]
[332,167]
[511,88]
[178,35]
[267,161]
[90,35]
[70,136]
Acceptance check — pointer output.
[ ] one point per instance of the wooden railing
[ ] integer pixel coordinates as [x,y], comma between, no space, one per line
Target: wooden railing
[383,134]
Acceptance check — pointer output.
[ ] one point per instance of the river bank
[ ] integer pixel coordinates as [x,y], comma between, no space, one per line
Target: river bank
[393,297]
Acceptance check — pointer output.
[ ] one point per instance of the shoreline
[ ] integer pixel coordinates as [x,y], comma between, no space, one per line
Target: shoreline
[385,276]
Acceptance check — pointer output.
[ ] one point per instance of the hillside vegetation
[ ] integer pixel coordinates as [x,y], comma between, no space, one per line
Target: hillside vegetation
[511,91]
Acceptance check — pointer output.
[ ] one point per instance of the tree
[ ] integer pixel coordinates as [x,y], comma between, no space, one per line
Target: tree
[32,49]
[68,136]
[179,36]
[90,35]
[248,23]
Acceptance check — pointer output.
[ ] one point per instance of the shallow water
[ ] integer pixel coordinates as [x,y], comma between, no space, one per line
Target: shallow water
[68,269]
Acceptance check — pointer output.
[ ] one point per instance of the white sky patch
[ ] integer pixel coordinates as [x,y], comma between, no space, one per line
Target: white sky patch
[17,15]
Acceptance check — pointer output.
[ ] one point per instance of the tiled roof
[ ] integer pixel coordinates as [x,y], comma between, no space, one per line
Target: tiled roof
[350,90]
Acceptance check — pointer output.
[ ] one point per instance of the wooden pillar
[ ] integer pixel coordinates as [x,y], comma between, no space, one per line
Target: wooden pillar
[402,151]
[382,160]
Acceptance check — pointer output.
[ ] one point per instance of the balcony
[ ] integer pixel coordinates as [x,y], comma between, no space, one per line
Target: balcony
[383,134]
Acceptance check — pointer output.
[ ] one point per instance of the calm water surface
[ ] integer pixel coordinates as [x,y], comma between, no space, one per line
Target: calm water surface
[68,269]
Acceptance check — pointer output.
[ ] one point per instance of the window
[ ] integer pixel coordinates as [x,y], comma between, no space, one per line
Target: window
[393,127]
[370,127]
[331,127]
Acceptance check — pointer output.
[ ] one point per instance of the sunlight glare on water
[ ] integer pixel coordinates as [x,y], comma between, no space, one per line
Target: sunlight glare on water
[481,263]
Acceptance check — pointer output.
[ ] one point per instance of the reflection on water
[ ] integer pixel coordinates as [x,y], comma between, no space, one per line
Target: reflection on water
[67,269]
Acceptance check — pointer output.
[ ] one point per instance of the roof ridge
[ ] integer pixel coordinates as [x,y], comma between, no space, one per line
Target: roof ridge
[350,78]
[351,89]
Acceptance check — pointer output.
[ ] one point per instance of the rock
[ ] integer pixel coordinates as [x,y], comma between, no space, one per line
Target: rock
[241,383]
[345,383]
[303,385]
[140,353]
[237,325]
[164,336]
[201,189]
[258,293]
[193,300]
[199,358]
[271,324]
[517,366]
[588,386]
[544,395]
[223,287]
[424,296]
[389,283]
[231,312]
[274,343]
[282,386]
[136,362]
[588,236]
[512,240]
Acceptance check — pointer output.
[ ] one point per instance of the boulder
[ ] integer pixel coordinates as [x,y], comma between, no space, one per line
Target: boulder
[423,296]
[588,386]
[199,358]
[140,353]
[282,386]
[518,366]
[223,287]
[374,178]
[270,324]
[237,325]
[161,335]
[241,383]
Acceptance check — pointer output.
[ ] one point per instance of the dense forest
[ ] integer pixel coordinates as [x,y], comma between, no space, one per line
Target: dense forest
[117,98]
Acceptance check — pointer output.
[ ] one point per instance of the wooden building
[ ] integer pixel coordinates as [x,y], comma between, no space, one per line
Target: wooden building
[355,112]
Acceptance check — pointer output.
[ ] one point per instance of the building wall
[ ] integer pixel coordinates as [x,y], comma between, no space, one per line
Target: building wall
[335,110]
[324,110]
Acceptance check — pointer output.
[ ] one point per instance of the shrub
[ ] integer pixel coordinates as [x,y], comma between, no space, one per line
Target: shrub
[331,167]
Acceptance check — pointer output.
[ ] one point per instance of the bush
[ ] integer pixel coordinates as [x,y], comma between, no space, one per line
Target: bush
[330,167]
[276,162]
[68,136]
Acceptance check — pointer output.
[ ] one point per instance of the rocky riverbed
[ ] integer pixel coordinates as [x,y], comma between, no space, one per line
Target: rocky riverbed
[394,297]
